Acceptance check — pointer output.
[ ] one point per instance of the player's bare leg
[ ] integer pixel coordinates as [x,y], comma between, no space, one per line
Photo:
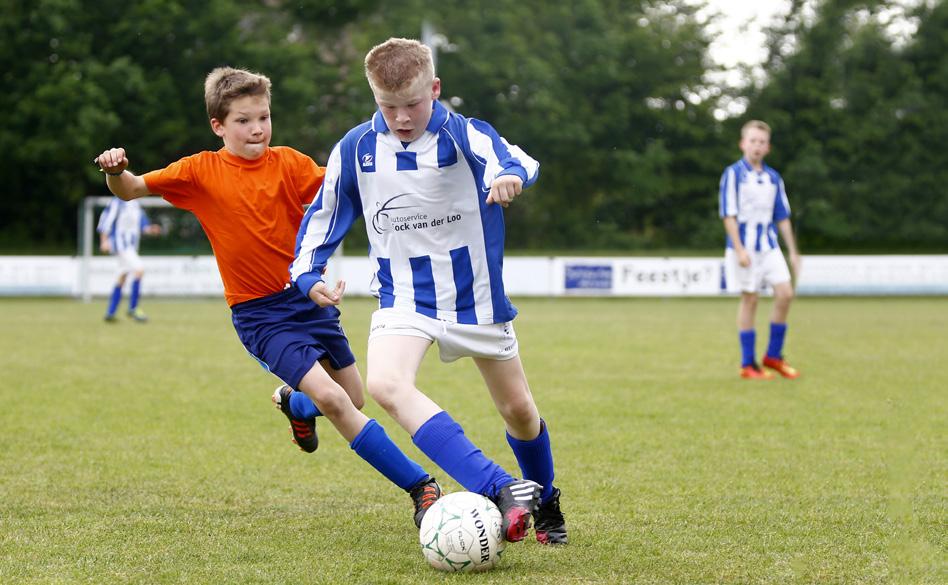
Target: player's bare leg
[529,440]
[746,311]
[351,381]
[746,314]
[508,387]
[393,362]
[333,402]
[783,296]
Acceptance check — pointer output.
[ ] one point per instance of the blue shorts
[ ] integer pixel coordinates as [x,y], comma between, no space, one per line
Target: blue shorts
[288,333]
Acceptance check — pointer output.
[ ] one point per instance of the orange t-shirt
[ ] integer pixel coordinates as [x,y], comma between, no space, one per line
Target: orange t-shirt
[250,210]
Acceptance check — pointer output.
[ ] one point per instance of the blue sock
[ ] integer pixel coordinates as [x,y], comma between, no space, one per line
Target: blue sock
[535,459]
[444,442]
[114,300]
[302,406]
[133,297]
[777,332]
[748,341]
[373,444]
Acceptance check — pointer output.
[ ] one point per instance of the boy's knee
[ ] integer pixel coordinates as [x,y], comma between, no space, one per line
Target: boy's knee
[383,388]
[333,401]
[520,410]
[358,401]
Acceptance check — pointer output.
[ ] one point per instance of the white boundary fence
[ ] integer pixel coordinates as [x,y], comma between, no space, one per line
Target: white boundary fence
[87,275]
[524,276]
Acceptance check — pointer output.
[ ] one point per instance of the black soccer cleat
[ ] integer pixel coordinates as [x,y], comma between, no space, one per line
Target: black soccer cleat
[424,495]
[517,501]
[549,522]
[304,430]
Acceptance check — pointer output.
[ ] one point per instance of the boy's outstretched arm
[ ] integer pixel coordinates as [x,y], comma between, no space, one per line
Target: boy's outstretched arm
[121,182]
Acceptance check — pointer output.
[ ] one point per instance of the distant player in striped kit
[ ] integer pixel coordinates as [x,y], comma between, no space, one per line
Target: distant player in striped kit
[754,206]
[431,186]
[120,228]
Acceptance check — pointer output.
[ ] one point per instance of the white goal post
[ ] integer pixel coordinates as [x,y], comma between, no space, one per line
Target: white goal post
[87,237]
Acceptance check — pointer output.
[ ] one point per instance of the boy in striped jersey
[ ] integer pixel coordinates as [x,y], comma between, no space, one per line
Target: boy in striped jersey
[752,202]
[120,228]
[249,198]
[431,186]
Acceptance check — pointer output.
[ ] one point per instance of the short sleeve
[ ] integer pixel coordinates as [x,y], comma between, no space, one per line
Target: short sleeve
[175,183]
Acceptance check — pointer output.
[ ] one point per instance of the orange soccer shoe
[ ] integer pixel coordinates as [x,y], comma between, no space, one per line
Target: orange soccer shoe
[755,372]
[781,367]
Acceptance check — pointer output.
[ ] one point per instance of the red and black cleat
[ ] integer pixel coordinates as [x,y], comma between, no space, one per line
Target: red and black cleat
[549,521]
[423,496]
[517,501]
[304,430]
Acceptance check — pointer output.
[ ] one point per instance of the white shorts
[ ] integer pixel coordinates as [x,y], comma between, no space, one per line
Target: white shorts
[455,340]
[129,261]
[766,270]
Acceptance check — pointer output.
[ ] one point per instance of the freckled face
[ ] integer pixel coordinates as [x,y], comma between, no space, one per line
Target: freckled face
[408,112]
[246,130]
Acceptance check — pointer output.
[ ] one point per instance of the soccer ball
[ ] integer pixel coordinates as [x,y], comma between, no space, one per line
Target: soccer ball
[461,532]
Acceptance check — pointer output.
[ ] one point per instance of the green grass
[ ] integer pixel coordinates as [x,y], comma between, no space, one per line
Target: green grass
[150,453]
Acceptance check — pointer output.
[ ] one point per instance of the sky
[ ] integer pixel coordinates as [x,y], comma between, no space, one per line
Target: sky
[741,39]
[747,19]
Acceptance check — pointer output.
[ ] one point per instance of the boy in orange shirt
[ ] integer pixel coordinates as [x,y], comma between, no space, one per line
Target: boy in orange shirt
[249,199]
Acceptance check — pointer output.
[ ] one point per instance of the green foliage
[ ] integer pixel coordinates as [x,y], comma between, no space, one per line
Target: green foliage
[610,96]
[857,123]
[150,454]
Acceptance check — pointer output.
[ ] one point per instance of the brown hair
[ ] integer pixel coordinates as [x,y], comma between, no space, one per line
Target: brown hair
[225,84]
[396,64]
[755,124]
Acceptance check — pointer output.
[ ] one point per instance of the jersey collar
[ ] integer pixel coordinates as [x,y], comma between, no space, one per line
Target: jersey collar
[235,160]
[750,169]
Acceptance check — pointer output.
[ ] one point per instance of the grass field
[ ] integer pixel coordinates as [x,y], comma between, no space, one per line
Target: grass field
[151,454]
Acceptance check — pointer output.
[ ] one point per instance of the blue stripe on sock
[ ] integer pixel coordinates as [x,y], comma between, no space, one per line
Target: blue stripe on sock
[302,406]
[535,458]
[748,342]
[114,300]
[374,445]
[133,297]
[778,331]
[444,442]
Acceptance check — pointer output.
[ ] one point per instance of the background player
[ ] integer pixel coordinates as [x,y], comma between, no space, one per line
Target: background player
[249,199]
[120,228]
[431,185]
[752,201]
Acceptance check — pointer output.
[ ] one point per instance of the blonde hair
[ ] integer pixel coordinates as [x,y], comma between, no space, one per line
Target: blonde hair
[758,124]
[225,84]
[397,64]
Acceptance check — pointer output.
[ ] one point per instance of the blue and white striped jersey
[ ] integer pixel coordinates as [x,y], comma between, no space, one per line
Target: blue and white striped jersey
[123,221]
[758,200]
[436,246]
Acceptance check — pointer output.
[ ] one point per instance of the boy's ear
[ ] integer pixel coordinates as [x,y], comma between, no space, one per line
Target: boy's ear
[436,88]
[217,127]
